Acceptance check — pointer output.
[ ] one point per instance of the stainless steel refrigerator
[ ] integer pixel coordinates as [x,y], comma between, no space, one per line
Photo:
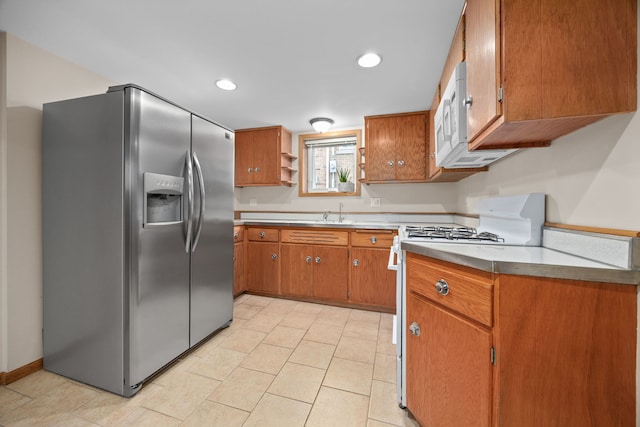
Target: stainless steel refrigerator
[137,235]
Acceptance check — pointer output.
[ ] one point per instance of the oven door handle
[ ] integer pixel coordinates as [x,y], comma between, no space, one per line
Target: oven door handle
[391,265]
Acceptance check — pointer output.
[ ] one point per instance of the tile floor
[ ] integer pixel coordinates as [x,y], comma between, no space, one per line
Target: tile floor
[281,363]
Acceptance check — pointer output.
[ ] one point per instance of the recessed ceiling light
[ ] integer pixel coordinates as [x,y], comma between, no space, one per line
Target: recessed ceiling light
[225,84]
[368,60]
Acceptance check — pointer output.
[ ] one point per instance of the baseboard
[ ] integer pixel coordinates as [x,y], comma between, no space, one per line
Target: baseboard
[21,372]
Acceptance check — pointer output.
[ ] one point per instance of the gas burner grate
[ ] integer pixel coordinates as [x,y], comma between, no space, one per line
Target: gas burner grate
[450,233]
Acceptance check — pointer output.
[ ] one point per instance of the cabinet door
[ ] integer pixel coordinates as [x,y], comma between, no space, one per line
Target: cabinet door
[482,57]
[449,368]
[379,149]
[297,270]
[330,272]
[243,158]
[239,284]
[410,147]
[263,262]
[266,157]
[371,282]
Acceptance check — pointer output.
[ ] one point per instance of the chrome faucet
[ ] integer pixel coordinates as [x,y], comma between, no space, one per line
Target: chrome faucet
[340,217]
[325,216]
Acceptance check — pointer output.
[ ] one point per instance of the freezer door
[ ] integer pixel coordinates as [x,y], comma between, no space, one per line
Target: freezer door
[157,144]
[212,256]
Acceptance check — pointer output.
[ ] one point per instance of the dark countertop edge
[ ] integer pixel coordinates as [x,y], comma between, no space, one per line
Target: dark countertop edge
[587,274]
[353,225]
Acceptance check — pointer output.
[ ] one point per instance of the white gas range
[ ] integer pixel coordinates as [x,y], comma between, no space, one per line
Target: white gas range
[509,220]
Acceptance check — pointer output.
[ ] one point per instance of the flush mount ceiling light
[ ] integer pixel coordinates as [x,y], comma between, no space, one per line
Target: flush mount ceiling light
[321,124]
[368,60]
[225,84]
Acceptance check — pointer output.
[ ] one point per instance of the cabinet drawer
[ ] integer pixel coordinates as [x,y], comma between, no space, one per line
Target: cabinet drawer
[316,237]
[238,233]
[372,238]
[262,234]
[469,292]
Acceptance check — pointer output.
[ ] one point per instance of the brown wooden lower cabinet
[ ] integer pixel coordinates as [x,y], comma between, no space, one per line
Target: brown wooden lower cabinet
[553,352]
[372,283]
[263,267]
[239,282]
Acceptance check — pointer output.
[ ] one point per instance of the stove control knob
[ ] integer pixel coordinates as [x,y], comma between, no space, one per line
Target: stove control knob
[442,287]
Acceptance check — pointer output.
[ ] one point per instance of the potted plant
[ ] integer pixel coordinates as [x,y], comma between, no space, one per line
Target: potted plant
[344,184]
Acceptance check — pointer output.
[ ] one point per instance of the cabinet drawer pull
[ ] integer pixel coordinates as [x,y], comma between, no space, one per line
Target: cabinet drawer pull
[374,240]
[262,234]
[400,163]
[235,236]
[442,287]
[317,260]
[274,256]
[250,170]
[257,170]
[356,262]
[390,163]
[414,328]
[308,259]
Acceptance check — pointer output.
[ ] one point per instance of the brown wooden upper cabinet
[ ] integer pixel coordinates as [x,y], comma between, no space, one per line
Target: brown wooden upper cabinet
[395,147]
[537,70]
[263,157]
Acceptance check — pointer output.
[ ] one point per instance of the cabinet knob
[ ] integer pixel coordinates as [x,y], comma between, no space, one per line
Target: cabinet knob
[262,234]
[468,101]
[374,240]
[400,163]
[308,259]
[317,260]
[274,256]
[442,287]
[235,236]
[356,262]
[414,328]
[390,163]
[257,170]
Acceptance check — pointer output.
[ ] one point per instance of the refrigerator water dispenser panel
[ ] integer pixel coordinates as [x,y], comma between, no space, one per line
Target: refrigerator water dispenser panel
[162,199]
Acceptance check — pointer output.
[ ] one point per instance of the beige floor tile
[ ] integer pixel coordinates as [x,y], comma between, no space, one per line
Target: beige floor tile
[383,405]
[235,325]
[338,408]
[386,321]
[327,334]
[298,382]
[108,409]
[142,417]
[315,354]
[10,400]
[212,414]
[299,320]
[67,397]
[244,340]
[365,316]
[263,322]
[37,384]
[62,420]
[208,345]
[218,363]
[360,329]
[240,299]
[242,389]
[172,376]
[357,349]
[276,411]
[335,316]
[183,396]
[267,358]
[385,368]
[258,300]
[376,423]
[385,342]
[349,375]
[279,307]
[284,336]
[245,311]
[307,307]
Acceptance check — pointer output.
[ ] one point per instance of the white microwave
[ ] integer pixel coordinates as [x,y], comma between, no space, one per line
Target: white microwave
[450,123]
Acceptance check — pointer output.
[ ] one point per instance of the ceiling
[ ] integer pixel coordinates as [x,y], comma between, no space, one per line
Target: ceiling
[291,59]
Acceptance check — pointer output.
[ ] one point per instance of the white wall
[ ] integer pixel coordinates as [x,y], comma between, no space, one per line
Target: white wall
[33,77]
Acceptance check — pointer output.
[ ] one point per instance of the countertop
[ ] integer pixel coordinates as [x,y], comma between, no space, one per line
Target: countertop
[525,260]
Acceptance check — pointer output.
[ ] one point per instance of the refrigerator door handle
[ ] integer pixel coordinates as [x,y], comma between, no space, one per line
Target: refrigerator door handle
[189,169]
[198,168]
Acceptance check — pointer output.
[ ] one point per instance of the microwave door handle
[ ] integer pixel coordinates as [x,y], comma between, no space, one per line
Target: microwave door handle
[189,170]
[446,119]
[198,168]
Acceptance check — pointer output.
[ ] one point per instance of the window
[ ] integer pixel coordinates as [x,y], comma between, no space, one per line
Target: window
[326,156]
